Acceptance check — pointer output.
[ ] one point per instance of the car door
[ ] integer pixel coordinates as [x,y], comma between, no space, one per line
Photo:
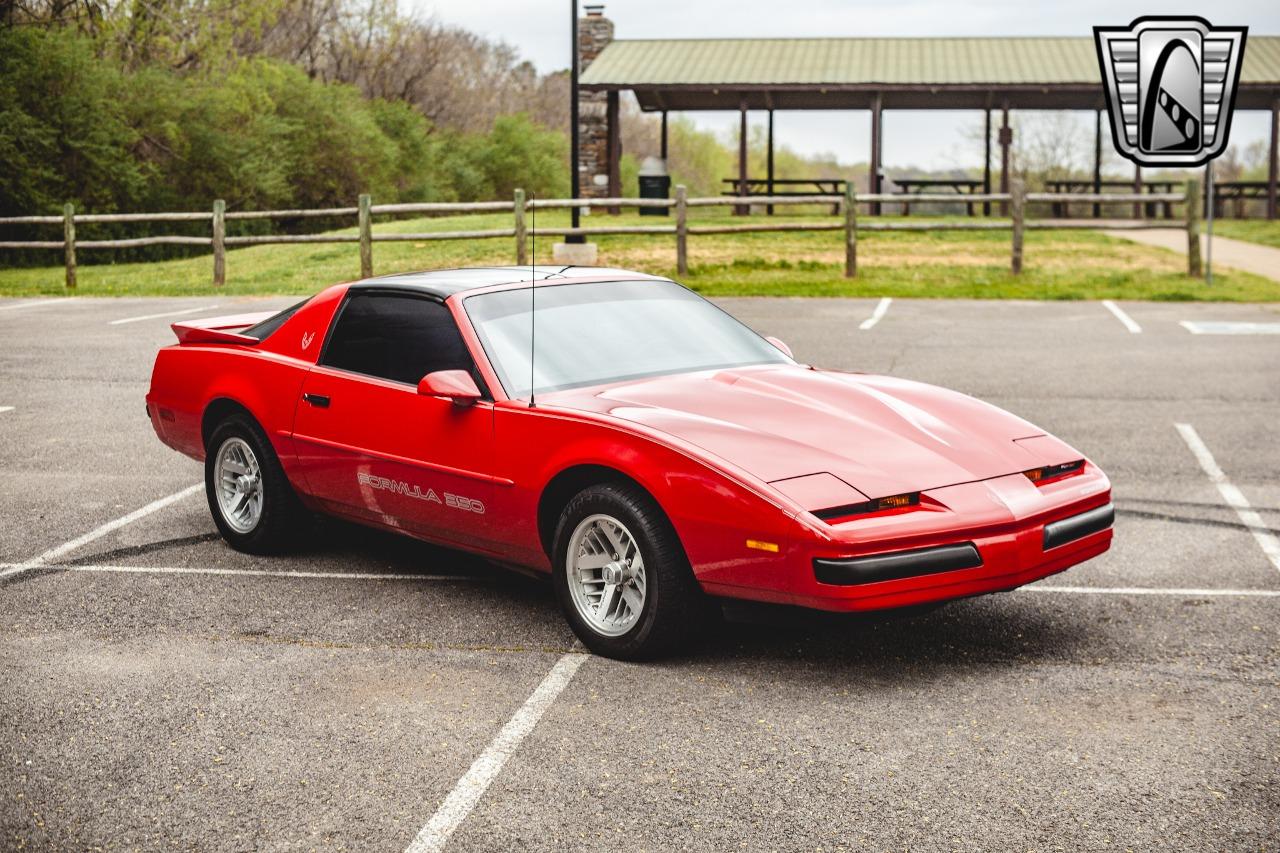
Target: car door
[371,446]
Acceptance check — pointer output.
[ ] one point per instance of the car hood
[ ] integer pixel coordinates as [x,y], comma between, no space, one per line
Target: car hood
[881,435]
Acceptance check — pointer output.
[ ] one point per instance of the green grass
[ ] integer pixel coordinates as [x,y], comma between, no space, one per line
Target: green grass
[1058,265]
[1254,230]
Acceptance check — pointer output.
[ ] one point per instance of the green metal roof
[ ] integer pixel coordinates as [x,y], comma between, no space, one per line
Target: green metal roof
[990,63]
[897,73]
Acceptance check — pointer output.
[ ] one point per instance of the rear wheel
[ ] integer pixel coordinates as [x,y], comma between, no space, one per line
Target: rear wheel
[621,576]
[251,500]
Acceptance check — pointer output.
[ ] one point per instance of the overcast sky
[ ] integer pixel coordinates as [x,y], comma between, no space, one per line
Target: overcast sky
[540,31]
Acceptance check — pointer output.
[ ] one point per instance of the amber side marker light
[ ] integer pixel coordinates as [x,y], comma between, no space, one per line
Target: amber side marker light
[877,505]
[1053,472]
[771,547]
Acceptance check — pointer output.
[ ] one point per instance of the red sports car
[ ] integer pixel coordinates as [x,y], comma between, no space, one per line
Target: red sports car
[627,436]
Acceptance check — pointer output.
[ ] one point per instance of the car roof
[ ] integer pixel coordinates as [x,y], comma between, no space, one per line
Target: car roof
[445,283]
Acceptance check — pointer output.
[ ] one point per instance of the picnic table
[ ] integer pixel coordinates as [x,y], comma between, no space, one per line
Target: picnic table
[786,187]
[1239,192]
[961,186]
[1061,209]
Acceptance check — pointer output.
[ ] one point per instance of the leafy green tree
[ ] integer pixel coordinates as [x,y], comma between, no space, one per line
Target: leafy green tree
[64,134]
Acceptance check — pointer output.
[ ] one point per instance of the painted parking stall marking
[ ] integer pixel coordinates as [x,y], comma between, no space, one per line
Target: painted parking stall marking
[1222,327]
[882,308]
[98,532]
[251,573]
[37,302]
[124,320]
[1124,318]
[93,568]
[1231,495]
[4,409]
[472,786]
[1147,590]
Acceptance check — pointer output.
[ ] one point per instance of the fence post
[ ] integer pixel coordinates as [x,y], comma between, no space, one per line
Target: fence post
[69,242]
[366,237]
[682,231]
[850,231]
[522,250]
[219,243]
[1018,209]
[1193,229]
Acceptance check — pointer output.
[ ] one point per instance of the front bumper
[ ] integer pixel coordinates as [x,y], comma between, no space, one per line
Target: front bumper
[989,564]
[964,540]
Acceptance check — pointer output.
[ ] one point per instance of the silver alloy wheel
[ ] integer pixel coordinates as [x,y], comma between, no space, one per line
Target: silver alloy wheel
[237,480]
[606,575]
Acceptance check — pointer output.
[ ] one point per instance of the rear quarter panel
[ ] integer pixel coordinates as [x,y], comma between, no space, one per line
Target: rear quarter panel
[265,379]
[187,379]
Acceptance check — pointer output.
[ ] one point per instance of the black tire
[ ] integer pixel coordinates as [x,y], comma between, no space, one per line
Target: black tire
[675,609]
[282,513]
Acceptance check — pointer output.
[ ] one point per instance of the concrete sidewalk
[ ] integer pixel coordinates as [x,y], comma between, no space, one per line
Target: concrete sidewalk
[1237,254]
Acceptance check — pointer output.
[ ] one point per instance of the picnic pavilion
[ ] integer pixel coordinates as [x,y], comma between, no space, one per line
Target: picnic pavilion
[993,75]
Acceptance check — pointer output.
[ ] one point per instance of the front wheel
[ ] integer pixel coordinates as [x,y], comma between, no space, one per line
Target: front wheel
[621,576]
[252,502]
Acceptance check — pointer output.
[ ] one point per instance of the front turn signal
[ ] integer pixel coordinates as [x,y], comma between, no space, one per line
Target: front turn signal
[1053,472]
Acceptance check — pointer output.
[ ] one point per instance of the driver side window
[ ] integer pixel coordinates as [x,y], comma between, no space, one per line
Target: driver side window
[399,337]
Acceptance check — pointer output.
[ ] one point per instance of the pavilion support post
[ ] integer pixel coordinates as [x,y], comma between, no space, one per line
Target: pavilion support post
[986,163]
[614,146]
[769,164]
[664,137]
[1137,190]
[1006,140]
[1097,161]
[1273,163]
[873,180]
[742,209]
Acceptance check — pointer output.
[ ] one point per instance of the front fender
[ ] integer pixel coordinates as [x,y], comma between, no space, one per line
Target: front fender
[713,514]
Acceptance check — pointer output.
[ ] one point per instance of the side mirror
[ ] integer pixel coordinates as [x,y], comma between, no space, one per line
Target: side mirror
[777,342]
[455,385]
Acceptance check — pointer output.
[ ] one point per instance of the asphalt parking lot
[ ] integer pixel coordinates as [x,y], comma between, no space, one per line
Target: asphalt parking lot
[162,692]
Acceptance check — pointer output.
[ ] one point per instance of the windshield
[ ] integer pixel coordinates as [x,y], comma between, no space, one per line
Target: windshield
[601,332]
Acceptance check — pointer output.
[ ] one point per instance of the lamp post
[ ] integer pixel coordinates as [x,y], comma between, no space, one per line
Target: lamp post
[575,181]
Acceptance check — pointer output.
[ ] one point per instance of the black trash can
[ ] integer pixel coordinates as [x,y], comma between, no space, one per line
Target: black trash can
[654,183]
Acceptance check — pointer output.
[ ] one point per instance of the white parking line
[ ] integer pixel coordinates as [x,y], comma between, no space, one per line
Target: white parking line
[392,576]
[1115,309]
[36,302]
[6,409]
[882,307]
[158,316]
[261,573]
[1222,327]
[98,532]
[471,787]
[1232,496]
[1146,590]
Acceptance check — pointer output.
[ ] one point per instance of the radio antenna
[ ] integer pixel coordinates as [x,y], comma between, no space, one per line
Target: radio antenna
[533,294]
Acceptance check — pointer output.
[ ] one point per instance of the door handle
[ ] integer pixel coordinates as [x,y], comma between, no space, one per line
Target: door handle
[320,401]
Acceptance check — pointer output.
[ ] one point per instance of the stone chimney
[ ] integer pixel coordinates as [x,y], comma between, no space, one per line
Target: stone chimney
[595,111]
